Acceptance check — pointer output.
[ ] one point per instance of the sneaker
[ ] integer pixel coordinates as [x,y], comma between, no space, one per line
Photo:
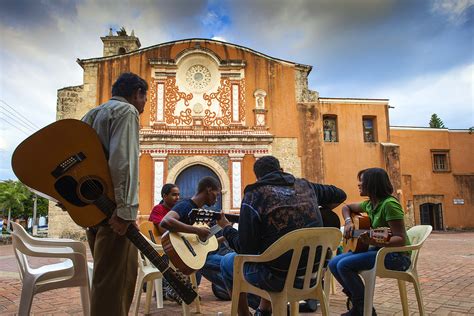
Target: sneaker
[308,306]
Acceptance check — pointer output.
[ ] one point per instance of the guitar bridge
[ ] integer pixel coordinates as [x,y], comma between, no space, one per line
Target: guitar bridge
[68,164]
[188,245]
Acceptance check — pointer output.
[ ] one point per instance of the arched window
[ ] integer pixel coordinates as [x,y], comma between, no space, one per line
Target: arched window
[122,50]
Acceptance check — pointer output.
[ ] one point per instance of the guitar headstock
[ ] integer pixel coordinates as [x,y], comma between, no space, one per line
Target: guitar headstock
[182,288]
[381,234]
[201,215]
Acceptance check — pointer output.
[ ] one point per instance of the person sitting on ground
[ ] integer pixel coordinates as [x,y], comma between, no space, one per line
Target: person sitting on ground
[384,210]
[275,205]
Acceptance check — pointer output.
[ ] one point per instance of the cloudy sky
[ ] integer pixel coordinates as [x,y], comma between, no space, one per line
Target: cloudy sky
[419,54]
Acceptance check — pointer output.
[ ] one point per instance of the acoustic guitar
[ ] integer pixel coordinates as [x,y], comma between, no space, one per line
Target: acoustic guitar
[188,252]
[66,162]
[362,225]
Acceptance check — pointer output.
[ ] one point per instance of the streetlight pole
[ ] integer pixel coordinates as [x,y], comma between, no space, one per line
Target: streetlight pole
[34,226]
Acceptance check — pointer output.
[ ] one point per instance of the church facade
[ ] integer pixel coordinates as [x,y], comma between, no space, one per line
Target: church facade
[215,107]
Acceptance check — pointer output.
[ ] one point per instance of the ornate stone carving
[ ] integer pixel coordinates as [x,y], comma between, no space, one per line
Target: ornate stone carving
[172,97]
[242,101]
[236,184]
[223,97]
[198,77]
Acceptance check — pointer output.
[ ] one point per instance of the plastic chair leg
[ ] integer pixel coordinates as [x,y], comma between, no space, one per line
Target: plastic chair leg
[197,301]
[159,293]
[279,305]
[419,298]
[186,311]
[138,293]
[369,284]
[85,299]
[324,303]
[90,271]
[27,293]
[235,300]
[149,295]
[294,308]
[402,288]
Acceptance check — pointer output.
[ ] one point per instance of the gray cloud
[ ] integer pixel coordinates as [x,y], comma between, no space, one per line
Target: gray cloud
[363,48]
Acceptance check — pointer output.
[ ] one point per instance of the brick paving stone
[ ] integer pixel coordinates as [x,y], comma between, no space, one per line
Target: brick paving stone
[445,266]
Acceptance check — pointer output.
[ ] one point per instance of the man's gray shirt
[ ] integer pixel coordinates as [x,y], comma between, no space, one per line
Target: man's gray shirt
[116,123]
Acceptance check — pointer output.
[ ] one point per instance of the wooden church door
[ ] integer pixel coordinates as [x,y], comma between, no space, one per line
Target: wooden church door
[188,180]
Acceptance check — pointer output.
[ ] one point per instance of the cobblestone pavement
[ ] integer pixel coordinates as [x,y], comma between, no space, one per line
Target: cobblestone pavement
[446,269]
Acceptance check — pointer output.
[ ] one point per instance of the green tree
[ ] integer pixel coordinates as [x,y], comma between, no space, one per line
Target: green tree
[17,201]
[11,199]
[436,122]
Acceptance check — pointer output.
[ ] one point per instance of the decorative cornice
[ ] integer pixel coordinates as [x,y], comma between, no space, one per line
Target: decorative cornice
[206,151]
[352,100]
[82,62]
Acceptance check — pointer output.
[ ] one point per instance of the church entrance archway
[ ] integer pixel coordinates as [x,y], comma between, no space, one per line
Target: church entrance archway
[188,180]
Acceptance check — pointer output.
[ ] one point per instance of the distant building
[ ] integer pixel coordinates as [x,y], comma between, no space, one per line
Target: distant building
[215,107]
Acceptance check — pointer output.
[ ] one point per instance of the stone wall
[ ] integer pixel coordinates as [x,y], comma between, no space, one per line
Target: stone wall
[303,94]
[286,150]
[68,100]
[73,102]
[113,44]
[311,142]
[60,224]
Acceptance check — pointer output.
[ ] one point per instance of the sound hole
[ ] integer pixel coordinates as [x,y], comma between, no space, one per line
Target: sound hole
[91,189]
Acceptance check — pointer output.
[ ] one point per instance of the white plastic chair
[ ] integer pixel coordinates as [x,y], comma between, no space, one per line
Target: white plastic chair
[417,236]
[312,238]
[68,273]
[150,275]
[147,273]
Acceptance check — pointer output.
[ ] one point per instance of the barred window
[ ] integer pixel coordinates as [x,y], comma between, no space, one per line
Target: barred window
[440,160]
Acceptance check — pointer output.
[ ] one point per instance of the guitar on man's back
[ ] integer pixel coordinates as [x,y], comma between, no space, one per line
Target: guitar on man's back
[66,162]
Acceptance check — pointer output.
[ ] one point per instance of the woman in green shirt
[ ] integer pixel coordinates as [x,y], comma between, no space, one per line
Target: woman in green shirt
[384,211]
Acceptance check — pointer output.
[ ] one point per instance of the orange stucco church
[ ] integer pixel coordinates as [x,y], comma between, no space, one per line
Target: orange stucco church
[215,107]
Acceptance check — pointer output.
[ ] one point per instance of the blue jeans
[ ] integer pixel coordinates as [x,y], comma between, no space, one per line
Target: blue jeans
[256,274]
[212,272]
[345,268]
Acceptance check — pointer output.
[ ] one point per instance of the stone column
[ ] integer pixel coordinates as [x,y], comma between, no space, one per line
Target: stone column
[236,161]
[159,171]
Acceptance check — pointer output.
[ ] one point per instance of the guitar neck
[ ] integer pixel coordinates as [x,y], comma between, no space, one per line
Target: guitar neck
[234,218]
[106,205]
[357,232]
[214,230]
[161,262]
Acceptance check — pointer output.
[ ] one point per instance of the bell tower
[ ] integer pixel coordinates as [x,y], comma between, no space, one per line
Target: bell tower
[121,43]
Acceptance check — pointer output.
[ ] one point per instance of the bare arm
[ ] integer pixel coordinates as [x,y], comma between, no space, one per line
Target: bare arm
[397,239]
[172,223]
[347,211]
[160,229]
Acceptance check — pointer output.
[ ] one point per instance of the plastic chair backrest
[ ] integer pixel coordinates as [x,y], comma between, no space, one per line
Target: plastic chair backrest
[417,235]
[298,240]
[18,249]
[146,227]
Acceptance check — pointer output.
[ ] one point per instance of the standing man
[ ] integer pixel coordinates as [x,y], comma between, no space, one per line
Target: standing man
[115,257]
[275,205]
